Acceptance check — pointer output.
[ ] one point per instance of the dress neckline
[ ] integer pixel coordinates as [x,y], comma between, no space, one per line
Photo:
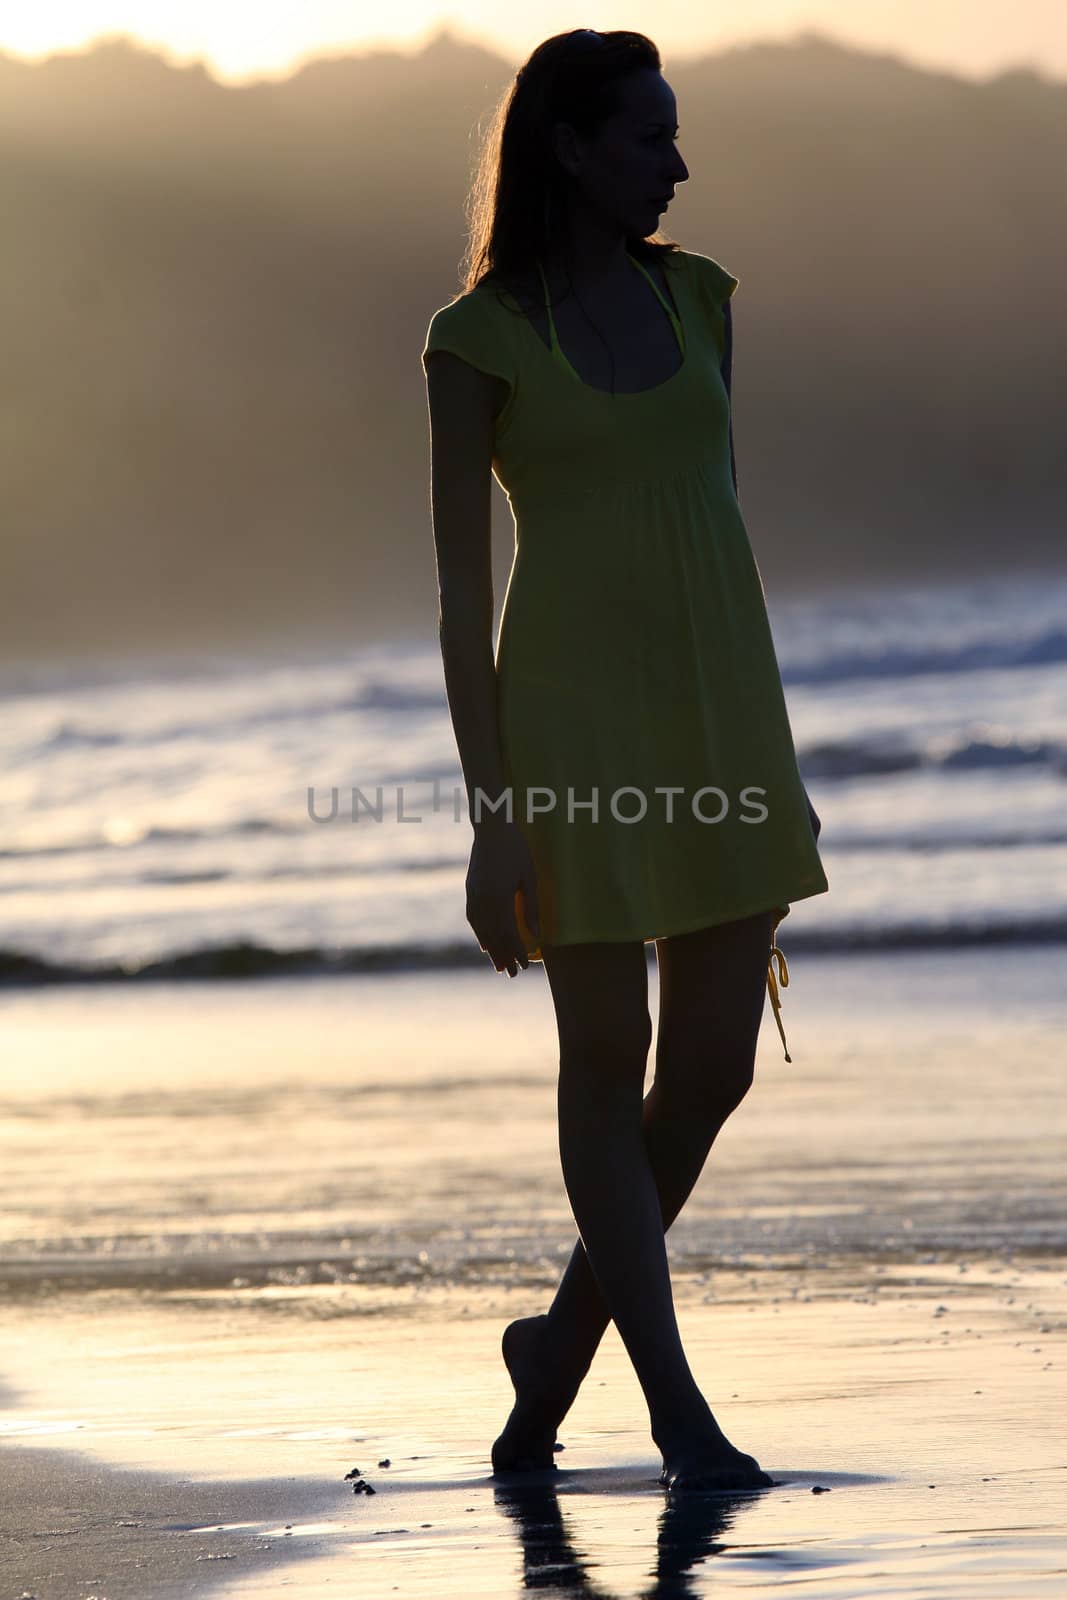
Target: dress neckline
[625,394]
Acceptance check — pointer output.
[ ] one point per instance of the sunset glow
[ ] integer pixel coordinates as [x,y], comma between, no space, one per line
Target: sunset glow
[242,40]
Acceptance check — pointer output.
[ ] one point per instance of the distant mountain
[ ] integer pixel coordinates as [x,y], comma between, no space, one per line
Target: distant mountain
[214,417]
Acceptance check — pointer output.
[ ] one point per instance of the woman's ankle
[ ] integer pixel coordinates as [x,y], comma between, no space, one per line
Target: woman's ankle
[673,1423]
[568,1354]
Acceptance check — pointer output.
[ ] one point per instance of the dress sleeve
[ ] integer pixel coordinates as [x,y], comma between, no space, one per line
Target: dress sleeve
[716,287]
[723,283]
[469,329]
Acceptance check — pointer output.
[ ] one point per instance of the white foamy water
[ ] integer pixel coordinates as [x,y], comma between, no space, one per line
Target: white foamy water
[171,819]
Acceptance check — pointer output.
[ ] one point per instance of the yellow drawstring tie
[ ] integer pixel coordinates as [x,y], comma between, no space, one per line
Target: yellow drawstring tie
[783,979]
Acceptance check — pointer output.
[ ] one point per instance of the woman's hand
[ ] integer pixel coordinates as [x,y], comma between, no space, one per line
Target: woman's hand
[500,863]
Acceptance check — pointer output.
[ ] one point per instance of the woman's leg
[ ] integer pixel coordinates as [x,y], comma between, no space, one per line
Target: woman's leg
[712,991]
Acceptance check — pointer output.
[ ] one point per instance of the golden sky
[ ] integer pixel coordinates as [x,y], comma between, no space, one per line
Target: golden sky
[241,39]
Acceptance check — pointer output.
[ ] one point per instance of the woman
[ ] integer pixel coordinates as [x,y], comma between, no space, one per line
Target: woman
[627,754]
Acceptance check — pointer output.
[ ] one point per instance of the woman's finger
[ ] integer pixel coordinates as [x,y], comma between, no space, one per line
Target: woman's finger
[504,949]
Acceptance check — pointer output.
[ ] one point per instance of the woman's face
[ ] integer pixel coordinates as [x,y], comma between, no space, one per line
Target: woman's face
[627,174]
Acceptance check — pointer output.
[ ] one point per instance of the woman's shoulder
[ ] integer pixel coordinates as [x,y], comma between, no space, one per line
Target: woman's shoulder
[472,312]
[469,327]
[467,307]
[710,275]
[712,286]
[486,311]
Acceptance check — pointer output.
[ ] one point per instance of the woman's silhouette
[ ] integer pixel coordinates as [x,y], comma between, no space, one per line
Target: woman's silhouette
[588,366]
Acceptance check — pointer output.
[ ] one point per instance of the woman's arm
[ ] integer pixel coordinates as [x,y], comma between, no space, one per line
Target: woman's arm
[727,373]
[461,403]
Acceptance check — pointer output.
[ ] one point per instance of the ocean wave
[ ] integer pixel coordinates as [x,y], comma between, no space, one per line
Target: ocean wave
[908,661]
[217,726]
[244,959]
[862,758]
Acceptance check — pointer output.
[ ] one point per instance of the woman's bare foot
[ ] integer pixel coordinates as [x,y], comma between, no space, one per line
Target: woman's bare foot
[701,1458]
[526,1443]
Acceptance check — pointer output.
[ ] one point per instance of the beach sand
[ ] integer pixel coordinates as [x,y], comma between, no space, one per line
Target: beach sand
[870,1281]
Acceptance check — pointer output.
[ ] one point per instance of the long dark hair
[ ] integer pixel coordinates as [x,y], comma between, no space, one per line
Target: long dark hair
[516,201]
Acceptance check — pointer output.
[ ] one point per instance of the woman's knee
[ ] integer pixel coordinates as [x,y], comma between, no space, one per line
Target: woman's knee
[712,991]
[700,1084]
[606,1046]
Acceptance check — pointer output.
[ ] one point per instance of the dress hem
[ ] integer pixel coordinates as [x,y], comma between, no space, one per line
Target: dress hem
[691,925]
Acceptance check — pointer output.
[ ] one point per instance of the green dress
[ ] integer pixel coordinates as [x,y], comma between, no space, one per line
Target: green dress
[634,652]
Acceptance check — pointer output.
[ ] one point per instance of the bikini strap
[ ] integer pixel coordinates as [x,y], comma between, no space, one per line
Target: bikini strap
[548,309]
[676,321]
[772,982]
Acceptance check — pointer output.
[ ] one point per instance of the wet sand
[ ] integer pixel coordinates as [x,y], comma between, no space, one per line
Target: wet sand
[926,1405]
[179,1413]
